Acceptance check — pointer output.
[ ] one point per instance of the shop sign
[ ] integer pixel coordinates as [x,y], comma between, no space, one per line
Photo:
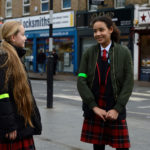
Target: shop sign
[60,20]
[96,2]
[46,34]
[121,17]
[144,17]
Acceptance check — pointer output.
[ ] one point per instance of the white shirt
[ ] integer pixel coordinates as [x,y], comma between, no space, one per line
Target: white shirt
[106,48]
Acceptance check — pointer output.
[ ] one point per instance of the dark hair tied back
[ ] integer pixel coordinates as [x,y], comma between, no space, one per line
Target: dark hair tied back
[115,36]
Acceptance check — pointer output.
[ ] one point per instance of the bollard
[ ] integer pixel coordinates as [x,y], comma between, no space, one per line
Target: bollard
[50,81]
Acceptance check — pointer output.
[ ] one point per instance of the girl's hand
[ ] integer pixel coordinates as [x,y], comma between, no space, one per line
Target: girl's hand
[100,112]
[12,135]
[112,114]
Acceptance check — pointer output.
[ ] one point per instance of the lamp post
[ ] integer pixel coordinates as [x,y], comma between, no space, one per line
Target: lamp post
[50,60]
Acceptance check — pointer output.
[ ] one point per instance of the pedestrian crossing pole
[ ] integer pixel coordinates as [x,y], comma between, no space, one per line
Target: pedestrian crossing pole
[50,60]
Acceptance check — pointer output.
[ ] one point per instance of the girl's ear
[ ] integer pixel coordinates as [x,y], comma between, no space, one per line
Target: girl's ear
[12,38]
[111,29]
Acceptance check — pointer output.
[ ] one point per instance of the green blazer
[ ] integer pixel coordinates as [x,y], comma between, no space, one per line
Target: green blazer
[121,69]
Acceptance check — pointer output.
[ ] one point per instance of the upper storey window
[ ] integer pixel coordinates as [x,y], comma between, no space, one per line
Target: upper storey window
[8,8]
[119,3]
[44,5]
[26,7]
[66,4]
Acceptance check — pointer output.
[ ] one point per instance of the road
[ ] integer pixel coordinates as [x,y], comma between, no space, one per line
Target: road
[66,98]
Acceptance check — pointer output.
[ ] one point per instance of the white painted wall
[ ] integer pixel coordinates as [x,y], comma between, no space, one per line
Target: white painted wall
[136,47]
[136,56]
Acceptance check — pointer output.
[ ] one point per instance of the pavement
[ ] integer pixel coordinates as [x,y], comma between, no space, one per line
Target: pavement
[58,76]
[62,123]
[72,77]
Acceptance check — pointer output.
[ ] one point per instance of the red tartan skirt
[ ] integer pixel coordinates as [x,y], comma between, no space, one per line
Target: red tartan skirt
[24,144]
[113,133]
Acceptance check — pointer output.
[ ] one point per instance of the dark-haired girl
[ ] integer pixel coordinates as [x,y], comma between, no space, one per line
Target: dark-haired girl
[105,83]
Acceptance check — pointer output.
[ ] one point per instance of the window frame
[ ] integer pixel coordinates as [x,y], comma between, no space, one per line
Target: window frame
[47,1]
[115,4]
[62,8]
[26,5]
[8,8]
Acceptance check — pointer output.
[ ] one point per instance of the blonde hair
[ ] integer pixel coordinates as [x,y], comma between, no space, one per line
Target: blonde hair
[21,89]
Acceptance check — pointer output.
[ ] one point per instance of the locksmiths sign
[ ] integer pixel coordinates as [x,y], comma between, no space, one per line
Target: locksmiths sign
[60,20]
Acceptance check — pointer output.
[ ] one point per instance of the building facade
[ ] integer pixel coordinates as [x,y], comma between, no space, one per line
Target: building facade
[72,33]
[1,18]
[34,15]
[128,15]
[142,42]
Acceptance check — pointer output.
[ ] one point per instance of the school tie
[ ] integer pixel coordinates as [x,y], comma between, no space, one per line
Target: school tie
[104,57]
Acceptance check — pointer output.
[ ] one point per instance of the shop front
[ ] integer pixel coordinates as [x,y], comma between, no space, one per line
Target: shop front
[64,40]
[123,18]
[142,43]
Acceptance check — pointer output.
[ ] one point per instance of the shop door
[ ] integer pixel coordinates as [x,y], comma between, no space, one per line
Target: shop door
[145,57]
[64,47]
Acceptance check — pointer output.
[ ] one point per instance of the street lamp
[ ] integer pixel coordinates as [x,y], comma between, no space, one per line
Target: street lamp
[50,60]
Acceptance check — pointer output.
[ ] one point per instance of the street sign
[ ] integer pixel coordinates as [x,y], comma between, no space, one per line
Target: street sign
[96,2]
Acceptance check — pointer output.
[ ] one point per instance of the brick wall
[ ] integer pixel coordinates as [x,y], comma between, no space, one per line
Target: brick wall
[75,5]
[35,7]
[136,1]
[0,8]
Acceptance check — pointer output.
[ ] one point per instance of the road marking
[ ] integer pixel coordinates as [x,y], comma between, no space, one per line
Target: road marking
[71,97]
[138,113]
[140,94]
[143,107]
[137,99]
[135,96]
[77,98]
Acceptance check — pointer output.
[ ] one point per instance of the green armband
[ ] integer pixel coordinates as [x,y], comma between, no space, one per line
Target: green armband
[82,75]
[2,96]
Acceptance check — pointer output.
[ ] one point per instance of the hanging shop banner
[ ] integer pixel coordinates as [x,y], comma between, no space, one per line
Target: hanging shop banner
[144,17]
[96,2]
[60,20]
[121,17]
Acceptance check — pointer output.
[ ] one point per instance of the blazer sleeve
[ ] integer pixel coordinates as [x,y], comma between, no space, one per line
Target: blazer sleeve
[7,113]
[82,85]
[128,82]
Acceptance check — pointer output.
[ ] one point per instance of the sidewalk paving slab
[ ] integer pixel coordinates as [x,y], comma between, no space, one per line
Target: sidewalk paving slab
[62,128]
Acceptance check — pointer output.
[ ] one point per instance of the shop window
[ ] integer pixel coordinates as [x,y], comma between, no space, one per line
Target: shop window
[65,49]
[119,3]
[8,8]
[66,4]
[28,59]
[26,7]
[44,5]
